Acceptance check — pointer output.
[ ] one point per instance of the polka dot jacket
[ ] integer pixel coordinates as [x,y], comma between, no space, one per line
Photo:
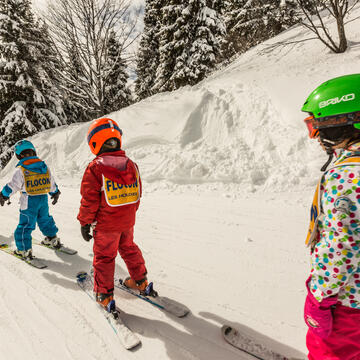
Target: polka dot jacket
[335,260]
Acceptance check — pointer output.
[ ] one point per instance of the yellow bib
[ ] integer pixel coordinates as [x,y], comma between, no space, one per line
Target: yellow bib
[314,214]
[35,183]
[119,194]
[311,237]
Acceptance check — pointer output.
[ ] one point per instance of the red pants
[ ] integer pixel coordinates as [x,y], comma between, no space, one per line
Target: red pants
[344,340]
[106,246]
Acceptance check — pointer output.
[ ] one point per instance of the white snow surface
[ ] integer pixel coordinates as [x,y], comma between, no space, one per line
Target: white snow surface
[228,175]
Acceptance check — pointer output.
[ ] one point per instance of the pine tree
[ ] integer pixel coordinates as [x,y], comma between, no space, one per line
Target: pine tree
[29,98]
[208,30]
[76,106]
[231,13]
[117,94]
[282,15]
[249,22]
[189,43]
[173,36]
[148,55]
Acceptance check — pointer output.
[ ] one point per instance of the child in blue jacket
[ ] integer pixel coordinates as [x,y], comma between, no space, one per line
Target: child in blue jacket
[34,180]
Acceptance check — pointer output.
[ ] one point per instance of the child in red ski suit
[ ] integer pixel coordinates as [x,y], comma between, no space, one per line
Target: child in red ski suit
[111,191]
[332,306]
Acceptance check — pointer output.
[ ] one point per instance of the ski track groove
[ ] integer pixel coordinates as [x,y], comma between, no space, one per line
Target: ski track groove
[160,234]
[18,321]
[71,310]
[34,286]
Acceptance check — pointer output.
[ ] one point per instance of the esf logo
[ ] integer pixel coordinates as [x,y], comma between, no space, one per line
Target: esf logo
[112,186]
[38,182]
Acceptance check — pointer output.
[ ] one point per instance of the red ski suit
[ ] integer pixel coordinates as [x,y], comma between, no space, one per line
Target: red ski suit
[108,176]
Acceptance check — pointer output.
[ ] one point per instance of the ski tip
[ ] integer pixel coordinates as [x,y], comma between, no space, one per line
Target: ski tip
[135,346]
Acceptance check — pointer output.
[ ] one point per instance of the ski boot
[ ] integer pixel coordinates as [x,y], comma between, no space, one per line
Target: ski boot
[142,286]
[52,241]
[24,254]
[106,301]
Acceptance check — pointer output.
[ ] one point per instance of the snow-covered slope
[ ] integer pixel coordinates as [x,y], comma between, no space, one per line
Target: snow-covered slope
[228,173]
[242,126]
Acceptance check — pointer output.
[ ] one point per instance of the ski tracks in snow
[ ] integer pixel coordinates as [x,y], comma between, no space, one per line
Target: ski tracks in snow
[197,251]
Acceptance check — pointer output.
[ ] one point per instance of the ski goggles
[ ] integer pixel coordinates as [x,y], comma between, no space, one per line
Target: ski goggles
[313,125]
[313,132]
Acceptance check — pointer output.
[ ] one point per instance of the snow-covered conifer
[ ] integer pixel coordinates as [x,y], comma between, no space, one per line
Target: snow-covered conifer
[208,30]
[29,97]
[117,93]
[172,37]
[148,54]
[189,43]
[249,22]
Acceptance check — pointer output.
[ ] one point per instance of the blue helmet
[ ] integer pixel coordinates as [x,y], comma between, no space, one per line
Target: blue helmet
[22,145]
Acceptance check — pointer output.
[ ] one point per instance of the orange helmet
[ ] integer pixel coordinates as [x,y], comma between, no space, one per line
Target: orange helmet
[100,131]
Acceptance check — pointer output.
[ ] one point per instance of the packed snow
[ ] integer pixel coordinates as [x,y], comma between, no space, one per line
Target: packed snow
[228,175]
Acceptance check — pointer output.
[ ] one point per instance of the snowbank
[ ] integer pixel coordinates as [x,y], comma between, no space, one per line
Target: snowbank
[242,126]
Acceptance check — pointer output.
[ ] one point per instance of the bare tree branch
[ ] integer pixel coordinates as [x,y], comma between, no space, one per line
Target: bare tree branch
[81,29]
[339,10]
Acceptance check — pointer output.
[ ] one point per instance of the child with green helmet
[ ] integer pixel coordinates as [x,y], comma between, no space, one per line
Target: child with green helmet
[332,306]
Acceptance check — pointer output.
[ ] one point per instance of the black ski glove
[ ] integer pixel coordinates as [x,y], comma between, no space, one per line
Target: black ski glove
[3,199]
[85,232]
[55,197]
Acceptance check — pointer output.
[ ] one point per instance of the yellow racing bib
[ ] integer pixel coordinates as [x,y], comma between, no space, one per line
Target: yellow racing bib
[314,214]
[120,194]
[35,183]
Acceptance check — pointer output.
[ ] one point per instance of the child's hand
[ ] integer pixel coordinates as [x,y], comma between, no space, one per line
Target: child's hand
[85,232]
[55,197]
[3,199]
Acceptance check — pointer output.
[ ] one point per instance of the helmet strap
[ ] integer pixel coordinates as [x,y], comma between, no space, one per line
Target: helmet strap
[328,144]
[324,167]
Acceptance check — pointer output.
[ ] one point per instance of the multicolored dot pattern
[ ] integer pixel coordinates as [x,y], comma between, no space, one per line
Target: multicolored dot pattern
[336,258]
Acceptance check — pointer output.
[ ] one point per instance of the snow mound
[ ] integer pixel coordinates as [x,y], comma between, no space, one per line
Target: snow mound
[242,126]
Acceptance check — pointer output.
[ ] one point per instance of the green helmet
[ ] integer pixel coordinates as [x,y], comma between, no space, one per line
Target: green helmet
[338,96]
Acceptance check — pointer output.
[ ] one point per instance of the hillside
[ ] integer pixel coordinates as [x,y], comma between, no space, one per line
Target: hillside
[228,175]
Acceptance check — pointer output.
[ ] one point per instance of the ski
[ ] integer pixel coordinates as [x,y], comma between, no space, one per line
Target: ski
[33,262]
[62,248]
[161,302]
[127,338]
[250,345]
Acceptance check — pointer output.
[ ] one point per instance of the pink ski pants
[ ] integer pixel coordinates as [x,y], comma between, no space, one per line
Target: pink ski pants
[344,340]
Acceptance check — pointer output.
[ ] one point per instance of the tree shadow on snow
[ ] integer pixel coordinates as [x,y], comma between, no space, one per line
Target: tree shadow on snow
[261,338]
[190,337]
[69,266]
[194,337]
[199,339]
